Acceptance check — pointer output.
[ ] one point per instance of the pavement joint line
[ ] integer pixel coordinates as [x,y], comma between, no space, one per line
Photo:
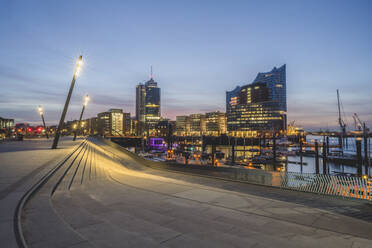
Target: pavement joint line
[67,224]
[238,210]
[85,164]
[77,167]
[17,225]
[65,172]
[171,238]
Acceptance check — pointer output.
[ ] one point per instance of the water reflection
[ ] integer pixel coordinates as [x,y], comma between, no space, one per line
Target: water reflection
[247,153]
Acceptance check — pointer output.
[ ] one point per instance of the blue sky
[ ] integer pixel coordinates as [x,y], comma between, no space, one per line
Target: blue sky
[198,49]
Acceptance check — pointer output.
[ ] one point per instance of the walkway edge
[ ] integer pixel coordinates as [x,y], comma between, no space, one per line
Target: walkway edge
[158,166]
[17,218]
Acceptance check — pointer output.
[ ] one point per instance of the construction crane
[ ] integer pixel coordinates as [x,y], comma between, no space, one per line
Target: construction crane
[357,121]
[340,120]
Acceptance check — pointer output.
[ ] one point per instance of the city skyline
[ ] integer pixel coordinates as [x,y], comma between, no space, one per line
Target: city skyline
[321,54]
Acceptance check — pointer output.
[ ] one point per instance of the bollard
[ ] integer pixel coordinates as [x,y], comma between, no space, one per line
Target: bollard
[324,158]
[340,142]
[233,153]
[301,158]
[213,151]
[365,142]
[359,156]
[316,157]
[274,148]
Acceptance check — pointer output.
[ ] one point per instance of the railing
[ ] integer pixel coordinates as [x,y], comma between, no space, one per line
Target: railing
[342,186]
[351,187]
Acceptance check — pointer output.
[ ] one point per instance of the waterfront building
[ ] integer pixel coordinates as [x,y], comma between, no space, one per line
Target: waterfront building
[232,97]
[148,106]
[110,123]
[152,105]
[6,123]
[182,125]
[134,131]
[140,102]
[92,125]
[215,123]
[210,124]
[197,124]
[69,127]
[6,127]
[127,124]
[259,107]
[165,128]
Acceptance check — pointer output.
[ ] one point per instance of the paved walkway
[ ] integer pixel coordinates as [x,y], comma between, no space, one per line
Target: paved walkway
[100,202]
[22,163]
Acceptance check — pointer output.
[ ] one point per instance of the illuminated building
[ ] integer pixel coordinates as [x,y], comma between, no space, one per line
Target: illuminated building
[134,127]
[6,123]
[232,97]
[157,144]
[111,123]
[165,128]
[210,124]
[182,125]
[92,125]
[258,107]
[197,124]
[215,123]
[127,124]
[148,106]
[70,126]
[6,126]
[192,125]
[140,102]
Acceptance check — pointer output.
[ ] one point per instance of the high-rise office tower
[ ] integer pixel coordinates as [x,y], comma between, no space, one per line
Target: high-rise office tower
[148,106]
[258,107]
[140,102]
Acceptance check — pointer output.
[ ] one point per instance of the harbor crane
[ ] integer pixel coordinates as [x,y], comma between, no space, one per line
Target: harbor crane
[341,122]
[357,121]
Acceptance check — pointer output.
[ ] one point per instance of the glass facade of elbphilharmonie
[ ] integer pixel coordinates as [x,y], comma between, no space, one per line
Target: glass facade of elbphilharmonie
[258,107]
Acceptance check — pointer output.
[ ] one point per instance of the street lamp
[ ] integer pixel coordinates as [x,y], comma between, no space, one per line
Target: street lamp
[61,121]
[41,112]
[86,100]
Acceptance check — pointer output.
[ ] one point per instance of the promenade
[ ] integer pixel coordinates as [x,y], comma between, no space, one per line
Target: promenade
[101,196]
[21,165]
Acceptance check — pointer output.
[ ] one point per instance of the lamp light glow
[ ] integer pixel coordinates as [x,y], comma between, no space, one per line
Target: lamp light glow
[86,100]
[40,109]
[79,64]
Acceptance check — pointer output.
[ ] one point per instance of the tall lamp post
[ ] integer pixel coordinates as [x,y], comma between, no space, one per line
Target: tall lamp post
[86,100]
[41,112]
[61,121]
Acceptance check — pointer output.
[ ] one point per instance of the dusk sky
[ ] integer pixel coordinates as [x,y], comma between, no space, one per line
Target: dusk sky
[198,50]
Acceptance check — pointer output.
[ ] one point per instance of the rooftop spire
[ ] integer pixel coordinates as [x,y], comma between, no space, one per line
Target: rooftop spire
[151,72]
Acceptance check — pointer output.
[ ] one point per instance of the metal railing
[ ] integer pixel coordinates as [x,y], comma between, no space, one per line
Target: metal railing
[351,187]
[331,185]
